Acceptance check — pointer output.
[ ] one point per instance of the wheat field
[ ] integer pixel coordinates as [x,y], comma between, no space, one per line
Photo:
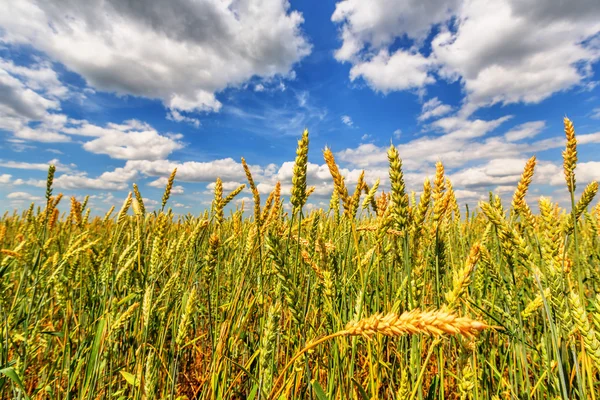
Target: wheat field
[383,295]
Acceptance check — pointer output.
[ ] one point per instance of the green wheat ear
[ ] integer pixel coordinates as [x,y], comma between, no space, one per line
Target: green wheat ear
[49,181]
[168,188]
[298,195]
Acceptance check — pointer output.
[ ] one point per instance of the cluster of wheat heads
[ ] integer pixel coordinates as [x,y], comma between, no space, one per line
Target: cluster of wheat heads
[383,295]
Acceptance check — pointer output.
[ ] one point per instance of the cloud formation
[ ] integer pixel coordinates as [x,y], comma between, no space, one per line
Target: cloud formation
[486,45]
[182,54]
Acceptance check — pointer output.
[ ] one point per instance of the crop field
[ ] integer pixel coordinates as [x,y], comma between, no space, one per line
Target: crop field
[383,295]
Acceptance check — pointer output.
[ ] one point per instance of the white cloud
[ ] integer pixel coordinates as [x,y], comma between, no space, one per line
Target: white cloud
[595,113]
[40,77]
[347,120]
[462,141]
[589,138]
[37,166]
[5,179]
[30,182]
[174,115]
[525,131]
[433,108]
[494,54]
[20,104]
[55,151]
[227,185]
[134,145]
[587,172]
[40,134]
[117,179]
[504,189]
[182,54]
[160,182]
[243,201]
[131,140]
[377,23]
[398,133]
[462,194]
[495,172]
[487,45]
[551,173]
[177,189]
[120,175]
[22,196]
[192,171]
[82,181]
[150,202]
[462,128]
[402,70]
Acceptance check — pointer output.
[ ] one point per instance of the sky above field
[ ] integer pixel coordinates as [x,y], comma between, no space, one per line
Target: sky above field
[120,91]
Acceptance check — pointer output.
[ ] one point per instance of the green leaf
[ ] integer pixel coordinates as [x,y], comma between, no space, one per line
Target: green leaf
[361,390]
[433,389]
[130,378]
[253,392]
[126,299]
[12,375]
[95,351]
[59,334]
[321,395]
[240,366]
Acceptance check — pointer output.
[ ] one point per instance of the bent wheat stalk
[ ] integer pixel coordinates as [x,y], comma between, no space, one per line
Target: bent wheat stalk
[434,323]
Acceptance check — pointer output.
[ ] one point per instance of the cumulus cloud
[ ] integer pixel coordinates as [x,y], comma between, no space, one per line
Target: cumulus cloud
[589,138]
[495,172]
[457,145]
[40,77]
[402,70]
[177,189]
[40,134]
[463,141]
[134,144]
[588,171]
[229,185]
[486,45]
[22,196]
[377,23]
[32,95]
[150,202]
[192,171]
[182,54]
[82,181]
[77,181]
[71,179]
[499,61]
[5,179]
[19,103]
[131,140]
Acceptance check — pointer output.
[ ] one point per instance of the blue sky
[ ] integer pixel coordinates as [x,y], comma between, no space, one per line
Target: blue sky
[114,93]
